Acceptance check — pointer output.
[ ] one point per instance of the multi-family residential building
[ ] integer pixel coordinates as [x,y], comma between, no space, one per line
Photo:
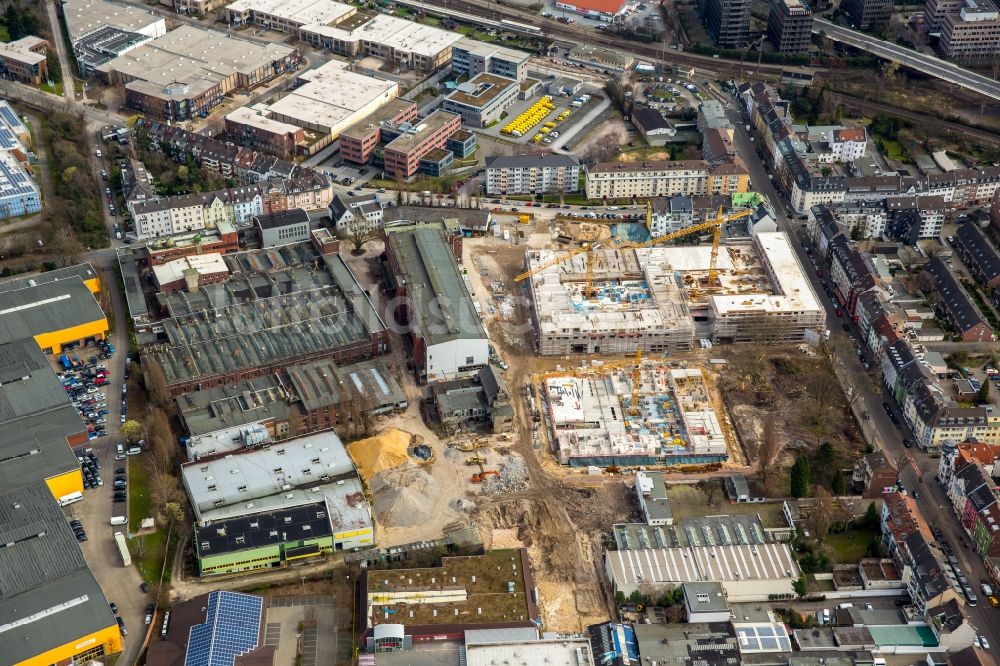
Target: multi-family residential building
[851,273]
[971,34]
[620,180]
[912,218]
[282,228]
[482,99]
[251,127]
[363,213]
[864,219]
[954,305]
[873,474]
[168,216]
[727,22]
[530,174]
[470,57]
[671,214]
[24,60]
[846,144]
[789,26]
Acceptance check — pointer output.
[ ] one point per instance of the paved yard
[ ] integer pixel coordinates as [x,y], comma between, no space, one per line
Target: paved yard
[308,621]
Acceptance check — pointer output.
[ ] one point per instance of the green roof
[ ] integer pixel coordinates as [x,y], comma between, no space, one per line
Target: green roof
[441,306]
[919,635]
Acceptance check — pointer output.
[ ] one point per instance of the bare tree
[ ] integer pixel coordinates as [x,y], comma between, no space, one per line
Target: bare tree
[605,147]
[817,410]
[769,450]
[164,488]
[710,488]
[65,246]
[156,381]
[821,513]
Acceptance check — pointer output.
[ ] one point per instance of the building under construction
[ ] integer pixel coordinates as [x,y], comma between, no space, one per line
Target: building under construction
[674,419]
[662,299]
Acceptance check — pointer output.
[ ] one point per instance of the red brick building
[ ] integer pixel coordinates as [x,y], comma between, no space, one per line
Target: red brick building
[359,141]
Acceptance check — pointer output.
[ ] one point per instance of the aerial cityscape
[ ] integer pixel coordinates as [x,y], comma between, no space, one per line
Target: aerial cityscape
[523,333]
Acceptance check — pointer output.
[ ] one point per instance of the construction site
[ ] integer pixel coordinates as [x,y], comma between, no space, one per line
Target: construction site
[665,300]
[652,413]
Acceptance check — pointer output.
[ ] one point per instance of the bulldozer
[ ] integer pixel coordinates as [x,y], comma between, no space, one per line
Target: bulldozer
[475,460]
[479,478]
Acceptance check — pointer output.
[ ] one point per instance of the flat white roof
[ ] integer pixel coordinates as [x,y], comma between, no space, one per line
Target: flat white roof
[575,651]
[769,561]
[278,475]
[256,118]
[206,264]
[299,11]
[86,16]
[395,32]
[333,96]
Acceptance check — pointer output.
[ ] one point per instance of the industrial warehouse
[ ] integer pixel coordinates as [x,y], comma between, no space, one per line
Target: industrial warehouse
[282,306]
[662,299]
[651,414]
[306,490]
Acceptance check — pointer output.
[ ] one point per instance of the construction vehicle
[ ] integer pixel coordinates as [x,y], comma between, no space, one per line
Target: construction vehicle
[633,408]
[479,478]
[475,460]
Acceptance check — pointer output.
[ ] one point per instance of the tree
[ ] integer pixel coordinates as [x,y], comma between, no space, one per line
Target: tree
[821,514]
[66,247]
[52,64]
[173,516]
[131,430]
[183,173]
[710,488]
[164,488]
[605,147]
[800,586]
[871,519]
[156,381]
[837,484]
[357,234]
[801,476]
[984,393]
[825,456]
[769,450]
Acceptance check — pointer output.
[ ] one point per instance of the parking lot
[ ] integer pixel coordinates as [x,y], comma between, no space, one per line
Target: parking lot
[561,104]
[302,625]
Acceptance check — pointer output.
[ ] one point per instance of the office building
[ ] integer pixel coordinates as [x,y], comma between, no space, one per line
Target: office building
[482,99]
[727,22]
[287,15]
[448,338]
[935,11]
[404,44]
[971,34]
[789,26]
[358,142]
[470,57]
[187,72]
[408,144]
[868,14]
[527,174]
[24,60]
[19,194]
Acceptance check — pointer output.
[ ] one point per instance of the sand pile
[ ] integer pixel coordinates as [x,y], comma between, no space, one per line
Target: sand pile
[386,450]
[403,496]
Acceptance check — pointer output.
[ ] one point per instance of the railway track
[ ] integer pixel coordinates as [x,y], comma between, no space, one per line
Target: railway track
[574,34]
[865,106]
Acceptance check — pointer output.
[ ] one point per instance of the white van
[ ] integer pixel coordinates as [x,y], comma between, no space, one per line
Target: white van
[120,448]
[842,606]
[133,451]
[118,520]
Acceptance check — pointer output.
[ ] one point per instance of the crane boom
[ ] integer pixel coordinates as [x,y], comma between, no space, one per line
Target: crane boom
[555,261]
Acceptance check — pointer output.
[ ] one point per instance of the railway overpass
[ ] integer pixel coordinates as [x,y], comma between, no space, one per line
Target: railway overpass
[920,62]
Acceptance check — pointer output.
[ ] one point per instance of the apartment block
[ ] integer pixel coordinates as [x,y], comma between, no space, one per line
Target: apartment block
[252,128]
[24,60]
[620,180]
[470,57]
[404,152]
[789,26]
[528,174]
[954,305]
[482,99]
[971,34]
[727,22]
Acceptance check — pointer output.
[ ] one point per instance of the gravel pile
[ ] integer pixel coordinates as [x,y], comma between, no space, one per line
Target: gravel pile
[403,496]
[513,478]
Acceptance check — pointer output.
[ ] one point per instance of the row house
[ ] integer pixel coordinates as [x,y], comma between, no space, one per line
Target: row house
[864,219]
[851,274]
[954,305]
[899,519]
[964,187]
[978,255]
[925,573]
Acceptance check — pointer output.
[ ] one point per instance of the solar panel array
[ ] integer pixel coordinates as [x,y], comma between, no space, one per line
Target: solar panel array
[763,638]
[231,629]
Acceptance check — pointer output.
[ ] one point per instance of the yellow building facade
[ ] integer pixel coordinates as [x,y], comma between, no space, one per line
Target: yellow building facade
[62,485]
[107,641]
[52,342]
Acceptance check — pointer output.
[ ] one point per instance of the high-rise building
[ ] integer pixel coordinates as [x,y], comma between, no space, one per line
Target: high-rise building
[972,33]
[789,26]
[868,14]
[727,22]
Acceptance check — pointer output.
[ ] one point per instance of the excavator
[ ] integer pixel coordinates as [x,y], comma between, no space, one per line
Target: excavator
[479,478]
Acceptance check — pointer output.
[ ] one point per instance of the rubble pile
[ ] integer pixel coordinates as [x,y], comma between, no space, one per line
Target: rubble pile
[513,477]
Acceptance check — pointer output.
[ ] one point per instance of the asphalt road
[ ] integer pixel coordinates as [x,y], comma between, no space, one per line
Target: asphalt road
[927,64]
[919,469]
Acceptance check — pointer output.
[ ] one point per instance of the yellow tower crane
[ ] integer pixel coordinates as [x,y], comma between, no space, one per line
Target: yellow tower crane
[554,261]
